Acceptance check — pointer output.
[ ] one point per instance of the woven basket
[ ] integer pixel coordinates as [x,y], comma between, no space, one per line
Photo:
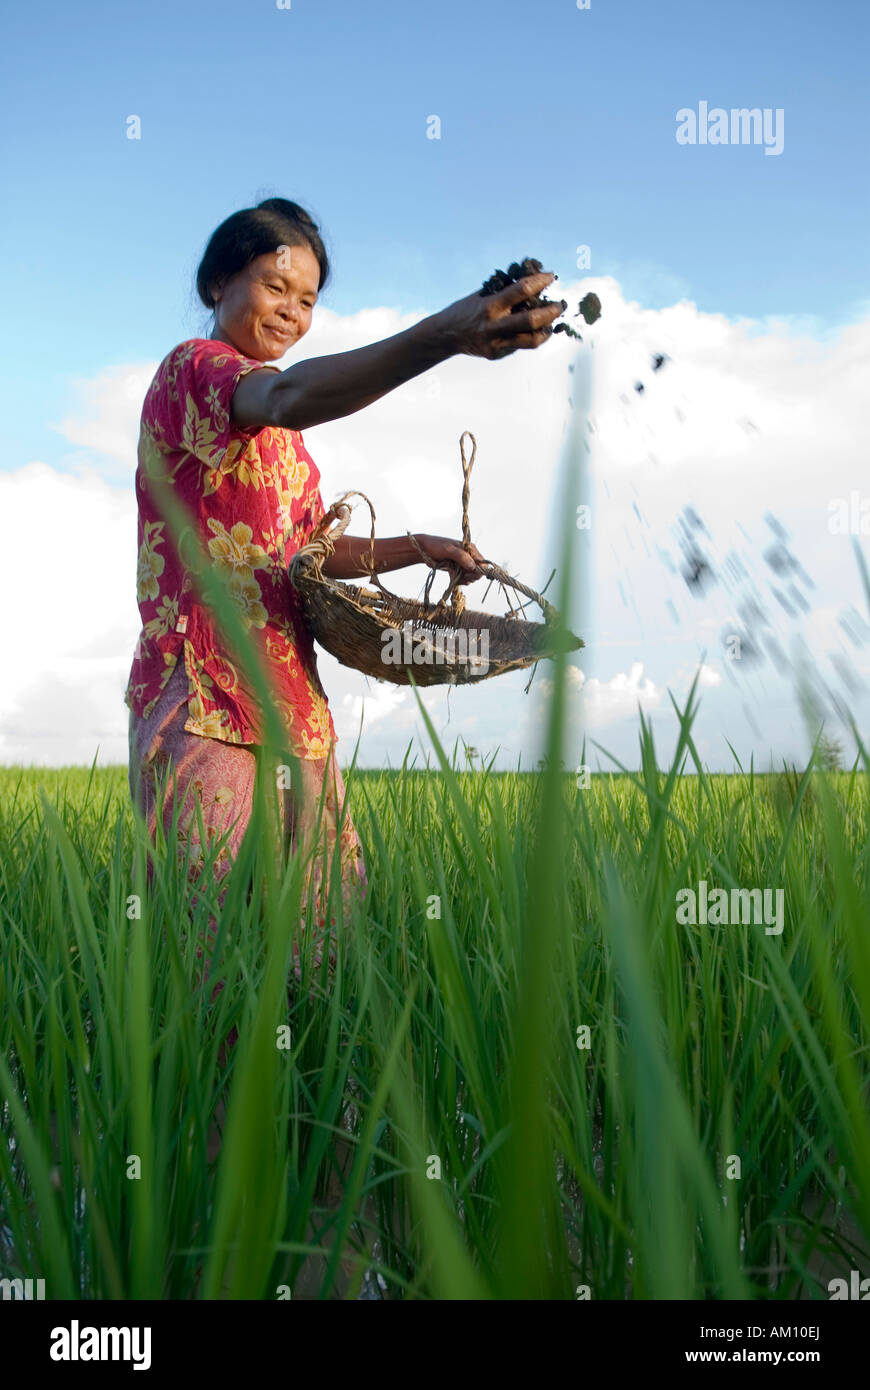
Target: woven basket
[444,643]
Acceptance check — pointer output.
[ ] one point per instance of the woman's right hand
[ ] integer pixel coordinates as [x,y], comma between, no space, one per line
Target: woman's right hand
[484,326]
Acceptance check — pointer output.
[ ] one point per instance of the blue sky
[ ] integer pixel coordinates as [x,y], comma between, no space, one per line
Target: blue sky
[558,129]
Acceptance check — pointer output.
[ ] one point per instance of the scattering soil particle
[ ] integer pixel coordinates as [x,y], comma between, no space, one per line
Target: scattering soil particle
[589,307]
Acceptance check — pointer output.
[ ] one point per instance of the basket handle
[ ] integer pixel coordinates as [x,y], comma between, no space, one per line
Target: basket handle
[452,592]
[493,572]
[321,543]
[467,465]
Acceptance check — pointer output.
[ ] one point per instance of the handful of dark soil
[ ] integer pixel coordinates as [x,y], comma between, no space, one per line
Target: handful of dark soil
[589,307]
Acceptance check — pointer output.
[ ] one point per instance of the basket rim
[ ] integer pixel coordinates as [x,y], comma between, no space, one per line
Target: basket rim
[312,583]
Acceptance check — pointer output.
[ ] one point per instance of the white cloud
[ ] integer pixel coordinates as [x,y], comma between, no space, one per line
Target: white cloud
[70,620]
[112,403]
[383,701]
[603,703]
[709,677]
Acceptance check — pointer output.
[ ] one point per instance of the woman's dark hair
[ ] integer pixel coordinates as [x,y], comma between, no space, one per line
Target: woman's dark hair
[253,232]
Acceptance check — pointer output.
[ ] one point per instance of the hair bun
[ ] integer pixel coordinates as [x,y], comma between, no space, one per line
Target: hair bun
[288,209]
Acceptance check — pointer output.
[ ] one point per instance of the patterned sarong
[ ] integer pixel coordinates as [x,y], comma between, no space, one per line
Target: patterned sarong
[220,777]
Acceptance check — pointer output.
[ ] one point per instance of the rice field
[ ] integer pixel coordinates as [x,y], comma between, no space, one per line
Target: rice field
[527,1078]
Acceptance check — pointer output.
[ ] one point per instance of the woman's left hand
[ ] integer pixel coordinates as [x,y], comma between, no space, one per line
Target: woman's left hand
[446,553]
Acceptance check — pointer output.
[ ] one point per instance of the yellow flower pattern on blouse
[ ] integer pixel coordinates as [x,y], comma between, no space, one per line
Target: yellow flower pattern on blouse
[151,564]
[254,497]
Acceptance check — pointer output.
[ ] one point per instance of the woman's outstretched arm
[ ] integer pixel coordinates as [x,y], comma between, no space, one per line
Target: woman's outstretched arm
[328,388]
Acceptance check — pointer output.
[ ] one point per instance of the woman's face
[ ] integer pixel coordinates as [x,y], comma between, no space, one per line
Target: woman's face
[265,309]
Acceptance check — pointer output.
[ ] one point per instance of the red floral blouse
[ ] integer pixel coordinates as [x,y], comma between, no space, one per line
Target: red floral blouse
[256,498]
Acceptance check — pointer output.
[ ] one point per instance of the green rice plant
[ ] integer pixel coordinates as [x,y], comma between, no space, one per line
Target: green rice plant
[706,1041]
[711,1141]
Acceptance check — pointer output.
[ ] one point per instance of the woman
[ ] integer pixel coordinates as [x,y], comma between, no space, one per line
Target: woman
[226,428]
